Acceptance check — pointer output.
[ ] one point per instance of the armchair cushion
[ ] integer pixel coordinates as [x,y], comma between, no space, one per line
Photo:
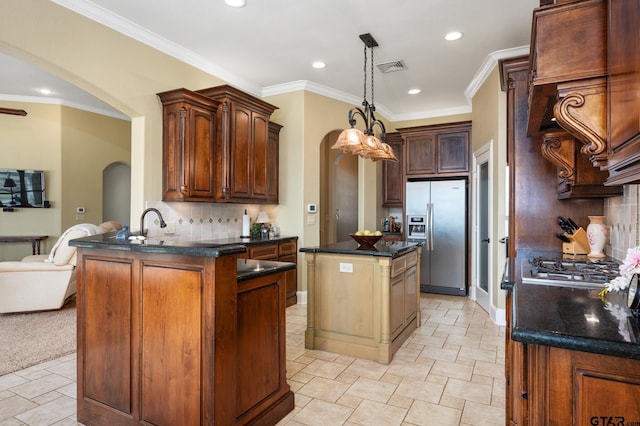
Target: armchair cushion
[62,253]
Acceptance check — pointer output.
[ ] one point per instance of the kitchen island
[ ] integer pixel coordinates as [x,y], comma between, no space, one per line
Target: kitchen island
[179,332]
[572,357]
[362,302]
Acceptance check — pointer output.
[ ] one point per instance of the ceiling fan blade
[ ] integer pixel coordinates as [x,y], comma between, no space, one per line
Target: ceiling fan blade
[12,111]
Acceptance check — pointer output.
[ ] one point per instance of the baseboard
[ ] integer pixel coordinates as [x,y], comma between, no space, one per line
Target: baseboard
[302,297]
[498,316]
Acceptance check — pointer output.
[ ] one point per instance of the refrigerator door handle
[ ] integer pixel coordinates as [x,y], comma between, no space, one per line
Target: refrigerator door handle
[430,219]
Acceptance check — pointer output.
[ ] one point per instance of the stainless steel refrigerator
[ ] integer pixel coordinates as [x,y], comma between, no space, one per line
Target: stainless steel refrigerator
[441,207]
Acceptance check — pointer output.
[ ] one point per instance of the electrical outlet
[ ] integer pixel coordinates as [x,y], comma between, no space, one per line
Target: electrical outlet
[170,228]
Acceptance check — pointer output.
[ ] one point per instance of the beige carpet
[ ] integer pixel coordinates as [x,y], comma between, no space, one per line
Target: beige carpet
[31,338]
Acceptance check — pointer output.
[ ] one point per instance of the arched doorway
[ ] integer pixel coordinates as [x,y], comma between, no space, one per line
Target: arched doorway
[338,192]
[116,193]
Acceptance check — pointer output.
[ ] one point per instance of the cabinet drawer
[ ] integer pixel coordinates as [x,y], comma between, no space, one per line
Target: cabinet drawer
[287,248]
[402,263]
[412,258]
[263,251]
[398,266]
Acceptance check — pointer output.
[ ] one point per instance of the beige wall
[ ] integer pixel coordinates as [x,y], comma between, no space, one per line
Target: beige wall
[72,147]
[489,124]
[90,142]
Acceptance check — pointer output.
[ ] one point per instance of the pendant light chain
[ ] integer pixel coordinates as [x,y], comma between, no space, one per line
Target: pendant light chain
[373,108]
[364,86]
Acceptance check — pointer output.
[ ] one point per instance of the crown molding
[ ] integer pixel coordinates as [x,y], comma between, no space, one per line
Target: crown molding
[487,66]
[124,26]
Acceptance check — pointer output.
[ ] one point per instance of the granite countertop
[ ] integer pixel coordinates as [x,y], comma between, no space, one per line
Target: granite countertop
[574,318]
[381,248]
[172,245]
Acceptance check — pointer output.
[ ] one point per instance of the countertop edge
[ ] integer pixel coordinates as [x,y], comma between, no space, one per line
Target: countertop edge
[359,252]
[603,347]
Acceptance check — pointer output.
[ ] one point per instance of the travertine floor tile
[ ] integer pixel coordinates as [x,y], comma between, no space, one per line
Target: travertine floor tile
[449,372]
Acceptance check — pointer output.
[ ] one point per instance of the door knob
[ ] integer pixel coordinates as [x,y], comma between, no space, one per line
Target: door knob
[486,240]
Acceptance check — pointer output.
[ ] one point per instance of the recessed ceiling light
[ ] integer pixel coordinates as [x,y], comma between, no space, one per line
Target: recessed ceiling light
[318,64]
[236,3]
[454,35]
[414,91]
[45,91]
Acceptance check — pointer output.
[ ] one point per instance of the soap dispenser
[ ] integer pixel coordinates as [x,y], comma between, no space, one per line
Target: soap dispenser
[123,234]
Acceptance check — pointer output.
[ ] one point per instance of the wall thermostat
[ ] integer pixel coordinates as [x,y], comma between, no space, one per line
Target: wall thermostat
[312,208]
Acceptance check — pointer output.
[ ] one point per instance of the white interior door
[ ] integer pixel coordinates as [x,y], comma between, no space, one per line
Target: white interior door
[482,228]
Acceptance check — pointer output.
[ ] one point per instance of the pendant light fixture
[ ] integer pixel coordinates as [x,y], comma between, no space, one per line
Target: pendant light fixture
[365,143]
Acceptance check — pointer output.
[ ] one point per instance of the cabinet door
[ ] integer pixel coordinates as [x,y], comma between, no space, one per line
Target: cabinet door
[453,152]
[200,154]
[259,167]
[421,156]
[273,163]
[392,183]
[105,339]
[240,150]
[396,305]
[411,294]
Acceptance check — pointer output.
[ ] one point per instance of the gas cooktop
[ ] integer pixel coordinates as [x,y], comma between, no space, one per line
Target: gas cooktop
[569,272]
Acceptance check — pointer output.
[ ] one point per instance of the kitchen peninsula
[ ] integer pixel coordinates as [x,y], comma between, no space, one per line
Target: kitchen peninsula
[179,332]
[362,302]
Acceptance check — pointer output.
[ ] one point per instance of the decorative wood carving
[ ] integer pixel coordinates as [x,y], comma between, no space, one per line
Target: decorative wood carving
[581,110]
[558,148]
[12,111]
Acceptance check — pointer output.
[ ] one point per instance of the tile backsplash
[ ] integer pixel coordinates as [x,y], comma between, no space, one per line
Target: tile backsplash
[207,221]
[623,220]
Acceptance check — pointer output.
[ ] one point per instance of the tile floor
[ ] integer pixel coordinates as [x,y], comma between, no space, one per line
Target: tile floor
[449,372]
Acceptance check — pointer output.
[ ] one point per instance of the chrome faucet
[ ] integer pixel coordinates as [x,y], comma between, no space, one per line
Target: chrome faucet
[163,224]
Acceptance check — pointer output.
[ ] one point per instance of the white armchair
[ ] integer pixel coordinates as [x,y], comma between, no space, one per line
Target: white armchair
[45,282]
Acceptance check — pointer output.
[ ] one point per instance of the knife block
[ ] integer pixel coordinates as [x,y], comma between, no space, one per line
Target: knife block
[579,243]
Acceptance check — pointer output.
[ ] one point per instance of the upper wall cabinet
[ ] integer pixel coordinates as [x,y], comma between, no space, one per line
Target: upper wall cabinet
[623,91]
[392,182]
[441,150]
[219,146]
[244,173]
[188,151]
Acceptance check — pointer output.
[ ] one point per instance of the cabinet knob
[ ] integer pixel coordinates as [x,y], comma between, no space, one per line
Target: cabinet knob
[183,189]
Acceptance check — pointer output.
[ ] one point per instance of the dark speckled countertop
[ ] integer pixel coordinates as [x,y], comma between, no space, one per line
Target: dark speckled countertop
[573,318]
[381,248]
[172,245]
[247,268]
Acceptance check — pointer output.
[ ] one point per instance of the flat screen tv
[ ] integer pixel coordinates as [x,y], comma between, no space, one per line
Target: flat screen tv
[22,188]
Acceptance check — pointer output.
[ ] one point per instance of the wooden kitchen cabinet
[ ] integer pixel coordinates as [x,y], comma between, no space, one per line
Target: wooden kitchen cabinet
[392,179]
[568,387]
[623,88]
[273,163]
[247,167]
[288,252]
[167,339]
[283,250]
[188,147]
[437,150]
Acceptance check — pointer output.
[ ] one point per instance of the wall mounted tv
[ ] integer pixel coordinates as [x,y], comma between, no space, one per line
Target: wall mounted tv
[22,188]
